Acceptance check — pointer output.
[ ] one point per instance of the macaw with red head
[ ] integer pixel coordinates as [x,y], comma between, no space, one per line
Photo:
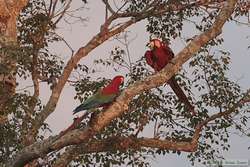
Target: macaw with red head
[103,97]
[159,55]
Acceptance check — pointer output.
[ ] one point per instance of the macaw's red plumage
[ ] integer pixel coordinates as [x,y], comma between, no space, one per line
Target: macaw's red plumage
[158,57]
[103,97]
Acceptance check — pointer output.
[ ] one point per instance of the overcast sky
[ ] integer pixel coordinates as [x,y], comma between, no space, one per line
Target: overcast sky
[78,34]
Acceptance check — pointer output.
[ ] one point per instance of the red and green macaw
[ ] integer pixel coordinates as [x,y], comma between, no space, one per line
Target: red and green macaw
[103,97]
[159,55]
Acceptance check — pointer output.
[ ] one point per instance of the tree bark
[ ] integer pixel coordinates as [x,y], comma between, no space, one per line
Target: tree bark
[9,11]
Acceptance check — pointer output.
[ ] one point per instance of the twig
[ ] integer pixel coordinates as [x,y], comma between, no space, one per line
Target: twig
[66,43]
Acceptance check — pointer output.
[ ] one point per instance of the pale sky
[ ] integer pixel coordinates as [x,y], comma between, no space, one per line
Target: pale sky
[77,35]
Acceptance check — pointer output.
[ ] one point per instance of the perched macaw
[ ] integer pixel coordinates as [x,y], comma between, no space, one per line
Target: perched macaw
[159,55]
[103,97]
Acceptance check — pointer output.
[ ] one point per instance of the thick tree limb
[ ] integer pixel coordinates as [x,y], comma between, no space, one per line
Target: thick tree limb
[122,144]
[9,11]
[121,105]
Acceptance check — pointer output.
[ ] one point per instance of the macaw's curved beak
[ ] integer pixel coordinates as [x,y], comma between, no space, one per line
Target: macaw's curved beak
[121,85]
[149,45]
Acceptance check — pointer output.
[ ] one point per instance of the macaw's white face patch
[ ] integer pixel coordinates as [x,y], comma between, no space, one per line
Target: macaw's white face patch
[155,43]
[151,45]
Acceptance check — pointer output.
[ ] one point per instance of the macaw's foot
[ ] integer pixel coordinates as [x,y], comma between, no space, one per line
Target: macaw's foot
[171,62]
[105,106]
[93,118]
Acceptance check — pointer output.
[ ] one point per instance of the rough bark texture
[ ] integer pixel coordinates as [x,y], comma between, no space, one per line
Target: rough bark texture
[120,106]
[9,11]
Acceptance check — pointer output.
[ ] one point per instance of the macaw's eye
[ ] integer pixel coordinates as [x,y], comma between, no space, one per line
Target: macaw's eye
[151,45]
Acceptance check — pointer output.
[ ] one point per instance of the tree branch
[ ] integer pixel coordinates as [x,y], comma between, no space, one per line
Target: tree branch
[122,144]
[156,9]
[9,11]
[61,14]
[108,6]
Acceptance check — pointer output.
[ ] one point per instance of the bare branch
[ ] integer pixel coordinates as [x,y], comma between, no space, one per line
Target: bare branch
[27,140]
[61,14]
[53,8]
[155,9]
[50,8]
[66,43]
[108,6]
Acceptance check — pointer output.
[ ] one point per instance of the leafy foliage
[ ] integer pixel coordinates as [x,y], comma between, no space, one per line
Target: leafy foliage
[18,125]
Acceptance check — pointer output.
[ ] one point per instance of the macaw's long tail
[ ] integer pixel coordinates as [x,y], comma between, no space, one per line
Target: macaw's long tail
[180,94]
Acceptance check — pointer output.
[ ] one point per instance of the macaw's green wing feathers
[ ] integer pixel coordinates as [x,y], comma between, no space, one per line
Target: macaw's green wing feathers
[97,100]
[103,99]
